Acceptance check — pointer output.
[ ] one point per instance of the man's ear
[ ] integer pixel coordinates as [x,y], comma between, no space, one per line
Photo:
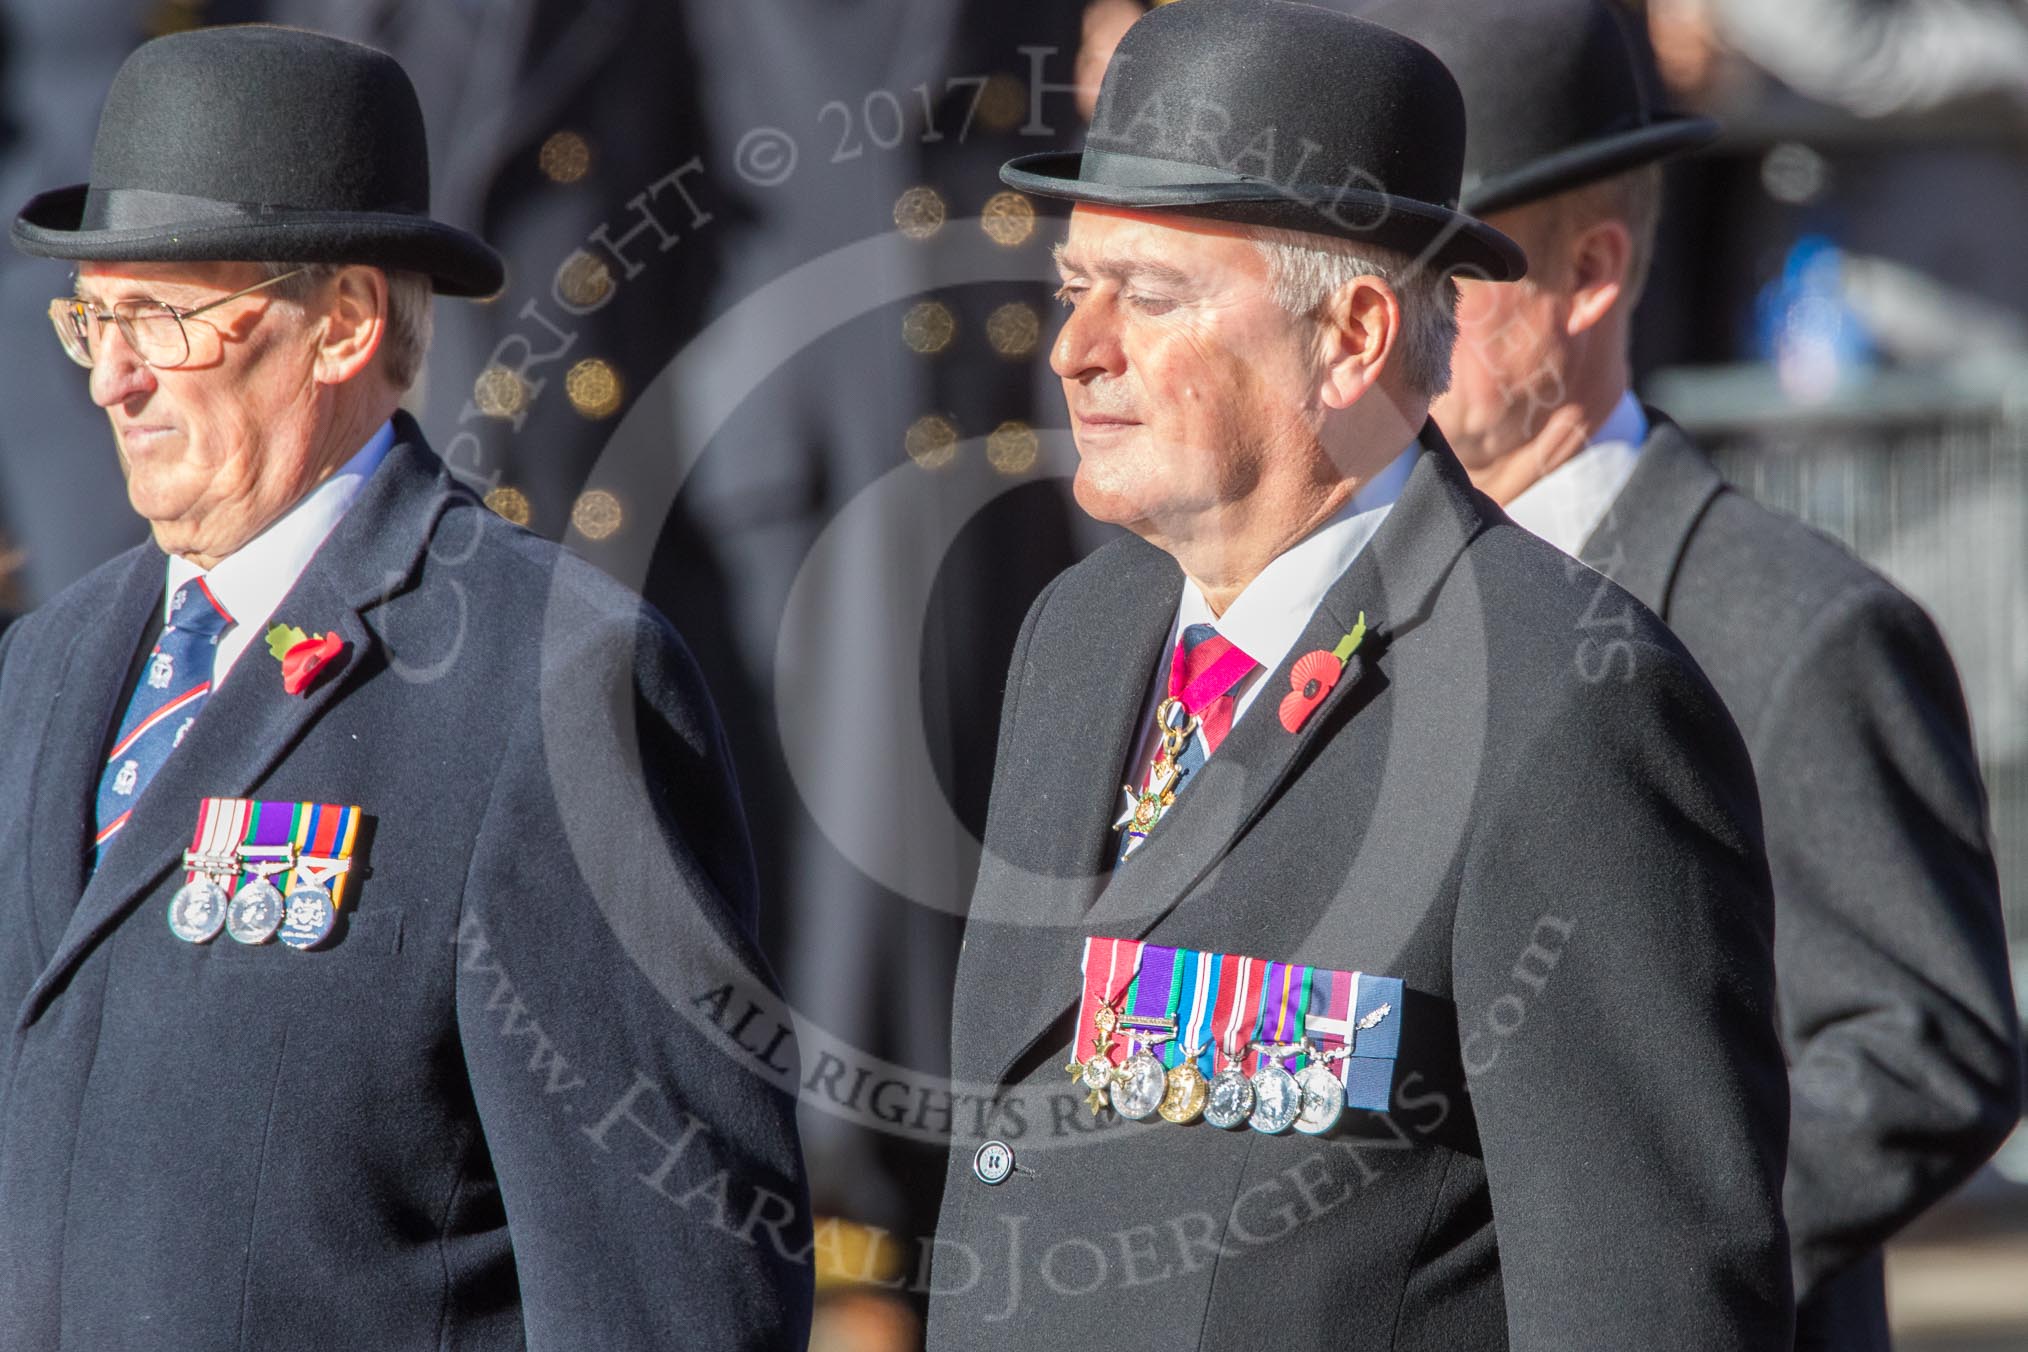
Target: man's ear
[1598,257]
[1362,328]
[354,314]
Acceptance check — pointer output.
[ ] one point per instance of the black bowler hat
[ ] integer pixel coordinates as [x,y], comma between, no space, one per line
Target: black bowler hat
[1279,114]
[259,144]
[1556,92]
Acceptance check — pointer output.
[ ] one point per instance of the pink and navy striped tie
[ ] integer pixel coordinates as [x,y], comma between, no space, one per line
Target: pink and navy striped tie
[174,683]
[1208,666]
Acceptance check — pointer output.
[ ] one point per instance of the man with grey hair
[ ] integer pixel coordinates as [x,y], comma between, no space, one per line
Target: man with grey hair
[1417,992]
[1896,1004]
[372,865]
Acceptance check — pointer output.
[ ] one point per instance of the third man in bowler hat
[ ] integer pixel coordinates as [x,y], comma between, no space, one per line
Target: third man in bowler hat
[1897,1012]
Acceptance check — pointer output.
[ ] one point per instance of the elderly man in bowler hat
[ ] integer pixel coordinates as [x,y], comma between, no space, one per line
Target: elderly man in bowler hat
[1897,1008]
[438,818]
[1400,822]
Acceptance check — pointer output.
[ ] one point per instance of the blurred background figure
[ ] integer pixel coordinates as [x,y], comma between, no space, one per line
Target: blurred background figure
[1843,316]
[1856,333]
[1897,1013]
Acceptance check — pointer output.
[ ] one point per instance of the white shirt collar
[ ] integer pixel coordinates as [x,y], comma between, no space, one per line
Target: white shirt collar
[1566,505]
[1267,618]
[251,582]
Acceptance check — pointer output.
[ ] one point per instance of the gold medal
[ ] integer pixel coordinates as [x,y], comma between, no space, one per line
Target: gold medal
[1096,1072]
[1184,1100]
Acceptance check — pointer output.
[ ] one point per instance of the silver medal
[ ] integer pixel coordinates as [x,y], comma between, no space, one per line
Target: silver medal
[1323,1099]
[197,911]
[1230,1100]
[309,917]
[256,912]
[1140,1086]
[1276,1100]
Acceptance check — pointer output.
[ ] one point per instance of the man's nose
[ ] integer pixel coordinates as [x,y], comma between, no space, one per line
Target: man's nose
[1089,343]
[118,373]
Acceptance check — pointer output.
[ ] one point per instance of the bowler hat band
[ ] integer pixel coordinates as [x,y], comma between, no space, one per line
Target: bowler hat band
[1115,168]
[150,209]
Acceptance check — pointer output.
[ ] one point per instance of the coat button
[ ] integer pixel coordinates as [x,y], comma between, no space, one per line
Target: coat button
[993,1163]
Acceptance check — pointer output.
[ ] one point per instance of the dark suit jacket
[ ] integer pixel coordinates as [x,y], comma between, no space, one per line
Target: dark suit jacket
[1524,800]
[1896,1005]
[495,1110]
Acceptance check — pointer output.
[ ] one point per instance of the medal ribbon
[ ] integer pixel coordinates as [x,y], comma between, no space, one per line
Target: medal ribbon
[1197,994]
[221,822]
[324,836]
[1285,1003]
[1329,1024]
[267,825]
[1237,1015]
[1153,995]
[1257,1021]
[200,838]
[1109,965]
[1369,1070]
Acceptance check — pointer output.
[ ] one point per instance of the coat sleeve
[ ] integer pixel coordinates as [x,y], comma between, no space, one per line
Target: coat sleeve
[1614,980]
[630,1058]
[1895,995]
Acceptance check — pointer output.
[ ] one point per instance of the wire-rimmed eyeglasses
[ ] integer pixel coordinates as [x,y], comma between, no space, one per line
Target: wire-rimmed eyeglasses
[153,329]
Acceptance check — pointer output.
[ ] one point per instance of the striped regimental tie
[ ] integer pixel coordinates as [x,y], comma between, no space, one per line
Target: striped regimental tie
[1201,653]
[174,683]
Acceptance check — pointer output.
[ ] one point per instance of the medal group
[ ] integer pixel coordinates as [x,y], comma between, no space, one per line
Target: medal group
[1235,1041]
[264,871]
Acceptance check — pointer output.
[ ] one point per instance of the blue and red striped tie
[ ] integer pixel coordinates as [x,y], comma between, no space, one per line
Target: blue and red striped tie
[174,684]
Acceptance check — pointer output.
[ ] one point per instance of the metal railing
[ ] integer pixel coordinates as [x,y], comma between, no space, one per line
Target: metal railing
[1925,476]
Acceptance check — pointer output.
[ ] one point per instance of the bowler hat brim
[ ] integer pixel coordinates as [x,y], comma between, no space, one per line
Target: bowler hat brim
[1589,161]
[457,263]
[1444,238]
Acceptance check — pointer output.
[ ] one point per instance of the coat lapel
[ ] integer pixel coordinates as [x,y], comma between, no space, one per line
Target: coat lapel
[1056,789]
[250,723]
[1394,581]
[1101,730]
[1640,543]
[74,735]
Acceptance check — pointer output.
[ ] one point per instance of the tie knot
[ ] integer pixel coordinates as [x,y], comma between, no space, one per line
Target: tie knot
[1204,666]
[194,610]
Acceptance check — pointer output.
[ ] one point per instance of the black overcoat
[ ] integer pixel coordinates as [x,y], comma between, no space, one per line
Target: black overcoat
[1525,801]
[1897,1008]
[497,1109]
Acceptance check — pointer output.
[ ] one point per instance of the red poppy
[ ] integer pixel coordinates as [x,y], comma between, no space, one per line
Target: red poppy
[1309,681]
[302,662]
